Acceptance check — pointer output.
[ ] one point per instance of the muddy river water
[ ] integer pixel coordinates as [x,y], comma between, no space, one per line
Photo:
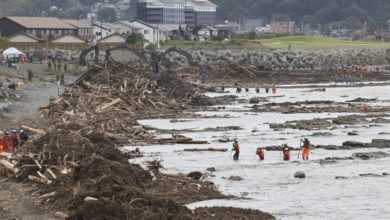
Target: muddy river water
[270,185]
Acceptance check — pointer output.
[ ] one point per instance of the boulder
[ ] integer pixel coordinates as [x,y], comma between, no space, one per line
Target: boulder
[354,144]
[254,100]
[235,178]
[380,143]
[341,178]
[300,175]
[211,169]
[196,175]
[370,175]
[370,155]
[353,133]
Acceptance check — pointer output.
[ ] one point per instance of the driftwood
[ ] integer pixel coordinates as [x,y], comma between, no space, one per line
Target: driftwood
[32,130]
[39,180]
[108,105]
[206,149]
[9,166]
[90,199]
[61,215]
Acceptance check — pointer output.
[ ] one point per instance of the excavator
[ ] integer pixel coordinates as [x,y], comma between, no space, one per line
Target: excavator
[83,61]
[156,56]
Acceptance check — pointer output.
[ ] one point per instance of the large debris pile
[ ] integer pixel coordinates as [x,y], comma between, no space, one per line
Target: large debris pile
[76,157]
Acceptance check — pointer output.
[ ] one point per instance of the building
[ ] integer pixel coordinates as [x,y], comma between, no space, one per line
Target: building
[252,24]
[68,39]
[101,30]
[113,39]
[84,30]
[23,38]
[150,32]
[282,27]
[204,33]
[126,27]
[41,27]
[193,13]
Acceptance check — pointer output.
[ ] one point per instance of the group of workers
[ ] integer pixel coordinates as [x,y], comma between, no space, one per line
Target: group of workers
[286,150]
[11,141]
[352,73]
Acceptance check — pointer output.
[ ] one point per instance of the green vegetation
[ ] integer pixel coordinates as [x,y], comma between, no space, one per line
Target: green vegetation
[296,42]
[194,45]
[135,38]
[310,42]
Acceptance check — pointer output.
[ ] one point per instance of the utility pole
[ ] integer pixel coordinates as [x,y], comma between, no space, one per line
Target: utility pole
[158,37]
[101,28]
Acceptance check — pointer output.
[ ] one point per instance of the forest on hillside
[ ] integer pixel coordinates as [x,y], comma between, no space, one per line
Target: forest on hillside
[348,13]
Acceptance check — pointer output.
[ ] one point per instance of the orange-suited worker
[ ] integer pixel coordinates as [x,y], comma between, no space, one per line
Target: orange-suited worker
[286,152]
[305,149]
[1,143]
[236,148]
[260,152]
[7,141]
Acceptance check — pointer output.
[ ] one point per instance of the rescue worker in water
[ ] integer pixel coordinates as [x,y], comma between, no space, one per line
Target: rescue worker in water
[305,149]
[236,148]
[261,153]
[286,152]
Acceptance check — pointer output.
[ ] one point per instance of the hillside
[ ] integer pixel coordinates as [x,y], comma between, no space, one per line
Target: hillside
[339,13]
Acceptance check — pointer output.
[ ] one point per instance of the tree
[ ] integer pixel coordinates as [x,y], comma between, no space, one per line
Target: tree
[107,14]
[135,38]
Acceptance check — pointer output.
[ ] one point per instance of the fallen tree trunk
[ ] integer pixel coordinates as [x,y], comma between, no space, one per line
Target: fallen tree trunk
[33,130]
[9,166]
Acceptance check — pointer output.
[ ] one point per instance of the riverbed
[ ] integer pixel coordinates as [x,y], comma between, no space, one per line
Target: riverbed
[270,185]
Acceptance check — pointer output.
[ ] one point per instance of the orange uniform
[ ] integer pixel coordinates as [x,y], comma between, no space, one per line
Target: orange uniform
[306,149]
[1,145]
[7,143]
[261,153]
[236,147]
[286,152]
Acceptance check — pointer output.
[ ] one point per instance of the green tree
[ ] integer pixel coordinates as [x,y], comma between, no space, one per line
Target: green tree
[135,38]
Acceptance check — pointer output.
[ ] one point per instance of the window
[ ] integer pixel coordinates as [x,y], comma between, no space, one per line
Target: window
[146,31]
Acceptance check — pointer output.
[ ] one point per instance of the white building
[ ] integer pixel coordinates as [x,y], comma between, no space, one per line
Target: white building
[102,30]
[126,27]
[150,32]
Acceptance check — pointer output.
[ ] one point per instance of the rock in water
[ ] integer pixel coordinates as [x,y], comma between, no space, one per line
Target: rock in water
[341,178]
[211,169]
[300,175]
[235,178]
[196,175]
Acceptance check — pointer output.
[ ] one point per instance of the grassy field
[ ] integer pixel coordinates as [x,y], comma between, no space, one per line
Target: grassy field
[297,42]
[310,42]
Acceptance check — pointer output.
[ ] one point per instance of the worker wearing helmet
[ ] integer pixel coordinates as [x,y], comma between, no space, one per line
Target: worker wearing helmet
[1,143]
[260,152]
[305,149]
[7,141]
[236,148]
[15,141]
[286,152]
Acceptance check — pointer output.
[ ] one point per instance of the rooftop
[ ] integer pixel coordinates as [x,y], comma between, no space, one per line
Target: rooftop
[40,22]
[77,23]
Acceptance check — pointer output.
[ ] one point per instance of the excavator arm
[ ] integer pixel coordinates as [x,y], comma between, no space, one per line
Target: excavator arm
[83,61]
[157,57]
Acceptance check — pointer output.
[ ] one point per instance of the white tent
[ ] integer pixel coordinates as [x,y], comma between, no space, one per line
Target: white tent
[12,52]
